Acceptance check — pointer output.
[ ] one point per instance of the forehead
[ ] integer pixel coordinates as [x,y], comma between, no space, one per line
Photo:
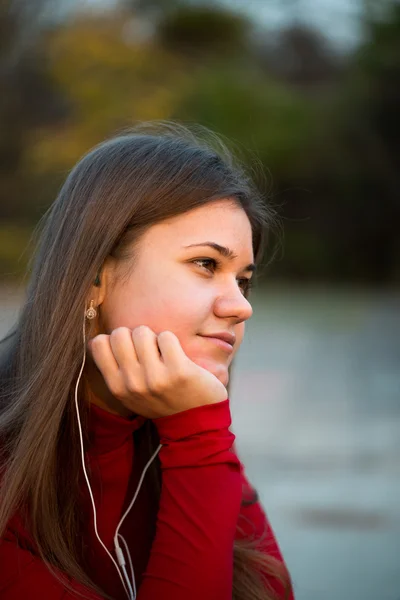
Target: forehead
[222,222]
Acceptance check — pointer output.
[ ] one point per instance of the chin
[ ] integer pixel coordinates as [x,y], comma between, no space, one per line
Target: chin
[224,379]
[219,370]
[222,376]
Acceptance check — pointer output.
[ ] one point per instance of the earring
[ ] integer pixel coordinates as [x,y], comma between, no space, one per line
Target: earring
[91,312]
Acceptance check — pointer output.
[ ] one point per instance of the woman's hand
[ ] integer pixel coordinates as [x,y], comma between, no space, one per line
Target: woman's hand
[151,374]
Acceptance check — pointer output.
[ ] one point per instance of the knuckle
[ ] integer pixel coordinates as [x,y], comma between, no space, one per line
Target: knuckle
[141,330]
[180,375]
[166,337]
[165,334]
[131,388]
[156,384]
[98,342]
[119,333]
[117,389]
[135,385]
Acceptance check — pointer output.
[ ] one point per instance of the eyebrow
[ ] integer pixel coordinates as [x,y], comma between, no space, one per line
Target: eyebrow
[225,252]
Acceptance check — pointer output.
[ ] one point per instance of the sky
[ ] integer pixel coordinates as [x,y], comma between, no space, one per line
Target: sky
[339,20]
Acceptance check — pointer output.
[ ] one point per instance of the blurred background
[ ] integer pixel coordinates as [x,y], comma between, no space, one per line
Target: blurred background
[308,93]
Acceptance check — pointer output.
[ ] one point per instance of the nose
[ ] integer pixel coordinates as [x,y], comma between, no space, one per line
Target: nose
[232,304]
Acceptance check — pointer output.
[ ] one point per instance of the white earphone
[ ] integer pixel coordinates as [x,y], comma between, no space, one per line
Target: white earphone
[129,585]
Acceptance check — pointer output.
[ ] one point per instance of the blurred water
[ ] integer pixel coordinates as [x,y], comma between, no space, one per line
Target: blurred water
[316,410]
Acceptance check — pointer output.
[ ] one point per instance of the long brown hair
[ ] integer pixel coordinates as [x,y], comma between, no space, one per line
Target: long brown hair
[113,194]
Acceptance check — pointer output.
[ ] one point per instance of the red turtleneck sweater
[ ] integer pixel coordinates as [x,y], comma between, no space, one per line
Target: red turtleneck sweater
[189,554]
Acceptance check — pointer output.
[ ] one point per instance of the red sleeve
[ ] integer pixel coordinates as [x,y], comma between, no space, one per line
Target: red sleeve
[24,575]
[200,505]
[192,552]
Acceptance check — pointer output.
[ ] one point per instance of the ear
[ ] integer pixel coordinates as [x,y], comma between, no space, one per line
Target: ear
[102,282]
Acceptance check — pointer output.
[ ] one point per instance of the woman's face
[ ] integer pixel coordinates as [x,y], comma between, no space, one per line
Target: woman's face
[172,286]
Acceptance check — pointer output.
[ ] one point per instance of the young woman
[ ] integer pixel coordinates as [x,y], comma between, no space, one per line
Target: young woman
[119,473]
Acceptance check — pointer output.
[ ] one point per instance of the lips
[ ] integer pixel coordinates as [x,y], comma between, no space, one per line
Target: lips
[225,336]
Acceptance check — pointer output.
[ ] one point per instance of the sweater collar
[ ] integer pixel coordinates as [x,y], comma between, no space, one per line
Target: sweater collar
[107,431]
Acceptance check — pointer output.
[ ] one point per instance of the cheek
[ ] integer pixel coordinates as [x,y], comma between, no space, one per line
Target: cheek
[160,305]
[183,312]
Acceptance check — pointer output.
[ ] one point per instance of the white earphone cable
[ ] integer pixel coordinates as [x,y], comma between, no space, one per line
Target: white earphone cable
[118,550]
[130,565]
[84,467]
[136,493]
[129,587]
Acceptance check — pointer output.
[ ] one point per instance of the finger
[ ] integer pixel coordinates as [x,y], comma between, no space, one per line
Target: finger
[104,359]
[171,350]
[124,350]
[148,352]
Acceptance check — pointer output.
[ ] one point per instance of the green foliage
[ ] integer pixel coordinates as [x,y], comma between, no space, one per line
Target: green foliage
[14,257]
[325,134]
[204,29]
[109,83]
[272,123]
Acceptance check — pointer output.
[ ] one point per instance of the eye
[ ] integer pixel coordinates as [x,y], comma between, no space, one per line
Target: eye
[211,261]
[246,284]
